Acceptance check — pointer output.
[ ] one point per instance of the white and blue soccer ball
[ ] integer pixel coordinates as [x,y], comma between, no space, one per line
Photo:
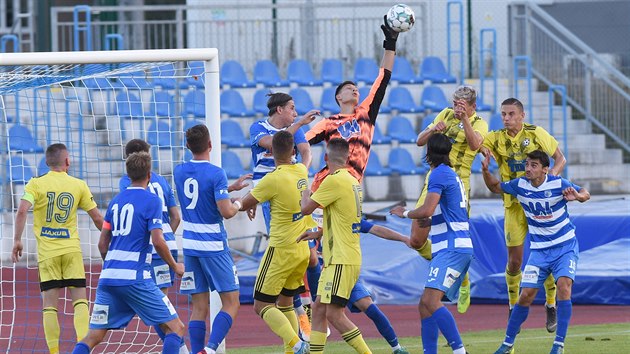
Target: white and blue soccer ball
[401,18]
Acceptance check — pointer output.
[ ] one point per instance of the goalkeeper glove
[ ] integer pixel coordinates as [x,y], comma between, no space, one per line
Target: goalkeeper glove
[390,35]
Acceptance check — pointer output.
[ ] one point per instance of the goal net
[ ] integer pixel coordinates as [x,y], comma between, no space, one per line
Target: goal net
[93,102]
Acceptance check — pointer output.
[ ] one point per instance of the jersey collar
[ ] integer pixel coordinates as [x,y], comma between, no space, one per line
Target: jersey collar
[199,161]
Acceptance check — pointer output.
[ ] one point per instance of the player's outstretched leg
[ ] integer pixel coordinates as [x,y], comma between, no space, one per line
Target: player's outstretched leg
[550,304]
[565,309]
[223,320]
[519,314]
[384,327]
[463,301]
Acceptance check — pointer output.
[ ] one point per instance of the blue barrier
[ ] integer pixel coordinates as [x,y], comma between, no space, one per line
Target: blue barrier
[528,80]
[116,38]
[78,28]
[560,89]
[459,22]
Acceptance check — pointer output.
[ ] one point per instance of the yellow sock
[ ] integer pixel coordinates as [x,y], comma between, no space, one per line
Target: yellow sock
[289,313]
[318,341]
[355,339]
[466,280]
[550,290]
[280,325]
[513,282]
[425,250]
[51,329]
[81,318]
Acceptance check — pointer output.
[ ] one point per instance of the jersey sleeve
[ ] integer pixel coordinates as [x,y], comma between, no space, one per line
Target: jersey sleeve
[481,127]
[366,226]
[439,118]
[326,194]
[30,191]
[317,133]
[436,182]
[548,143]
[510,187]
[299,137]
[257,132]
[372,103]
[567,184]
[489,141]
[154,213]
[124,183]
[86,199]
[221,186]
[265,189]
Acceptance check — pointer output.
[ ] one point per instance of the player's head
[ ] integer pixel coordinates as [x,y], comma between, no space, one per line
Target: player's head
[57,158]
[198,139]
[136,145]
[467,95]
[347,92]
[282,145]
[138,166]
[536,165]
[337,152]
[512,113]
[438,148]
[282,108]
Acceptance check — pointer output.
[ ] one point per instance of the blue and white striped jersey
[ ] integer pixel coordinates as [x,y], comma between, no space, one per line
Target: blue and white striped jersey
[200,185]
[545,209]
[262,158]
[131,216]
[449,225]
[159,186]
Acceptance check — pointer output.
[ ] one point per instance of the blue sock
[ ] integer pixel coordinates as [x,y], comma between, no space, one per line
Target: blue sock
[171,345]
[220,328]
[159,332]
[312,275]
[565,308]
[430,335]
[519,315]
[446,324]
[197,333]
[382,324]
[81,348]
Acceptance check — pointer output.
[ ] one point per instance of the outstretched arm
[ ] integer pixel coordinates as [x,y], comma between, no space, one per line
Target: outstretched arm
[389,234]
[493,184]
[558,162]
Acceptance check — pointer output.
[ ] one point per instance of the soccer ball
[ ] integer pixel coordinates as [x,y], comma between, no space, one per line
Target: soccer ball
[400,18]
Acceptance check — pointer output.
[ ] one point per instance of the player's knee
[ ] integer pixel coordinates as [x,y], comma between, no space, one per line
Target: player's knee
[527,296]
[514,265]
[564,285]
[416,243]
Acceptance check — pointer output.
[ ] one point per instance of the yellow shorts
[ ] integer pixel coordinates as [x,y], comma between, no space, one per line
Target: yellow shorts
[62,271]
[281,271]
[336,283]
[515,225]
[423,195]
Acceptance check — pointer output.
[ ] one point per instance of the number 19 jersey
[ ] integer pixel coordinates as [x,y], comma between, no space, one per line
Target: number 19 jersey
[200,185]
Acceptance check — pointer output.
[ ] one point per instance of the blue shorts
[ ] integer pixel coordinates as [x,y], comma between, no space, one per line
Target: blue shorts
[446,272]
[559,261]
[162,274]
[115,306]
[214,273]
[358,292]
[266,209]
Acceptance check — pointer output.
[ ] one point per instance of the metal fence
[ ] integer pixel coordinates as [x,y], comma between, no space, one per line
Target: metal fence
[600,92]
[17,20]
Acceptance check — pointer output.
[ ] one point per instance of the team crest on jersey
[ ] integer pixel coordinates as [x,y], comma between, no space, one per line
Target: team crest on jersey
[349,129]
[525,142]
[547,194]
[460,125]
[302,184]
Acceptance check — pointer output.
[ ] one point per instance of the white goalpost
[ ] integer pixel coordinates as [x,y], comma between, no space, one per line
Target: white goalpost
[94,102]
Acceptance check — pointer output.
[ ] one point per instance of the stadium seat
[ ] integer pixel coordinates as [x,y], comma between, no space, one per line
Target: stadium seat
[400,129]
[42,168]
[364,92]
[400,99]
[159,134]
[232,164]
[260,101]
[21,139]
[365,70]
[189,123]
[378,137]
[433,98]
[426,121]
[195,104]
[233,105]
[332,71]
[403,72]
[128,105]
[432,69]
[162,104]
[328,102]
[232,135]
[266,73]
[299,71]
[101,83]
[233,74]
[136,80]
[20,172]
[496,122]
[374,167]
[482,107]
[163,76]
[476,164]
[401,162]
[302,99]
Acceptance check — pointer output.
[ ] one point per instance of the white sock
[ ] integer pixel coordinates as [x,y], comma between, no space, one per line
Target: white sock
[396,347]
[209,350]
[550,306]
[184,349]
[461,350]
[297,346]
[299,311]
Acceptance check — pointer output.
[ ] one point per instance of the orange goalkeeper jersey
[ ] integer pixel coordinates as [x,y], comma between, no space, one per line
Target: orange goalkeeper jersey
[356,128]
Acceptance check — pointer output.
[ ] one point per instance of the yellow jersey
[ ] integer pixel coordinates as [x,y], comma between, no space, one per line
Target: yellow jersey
[283,188]
[461,155]
[511,152]
[55,197]
[341,197]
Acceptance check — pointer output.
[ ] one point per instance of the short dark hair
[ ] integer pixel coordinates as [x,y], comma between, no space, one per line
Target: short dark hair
[282,144]
[540,156]
[54,156]
[438,148]
[513,102]
[341,86]
[136,145]
[138,165]
[197,138]
[278,99]
[337,150]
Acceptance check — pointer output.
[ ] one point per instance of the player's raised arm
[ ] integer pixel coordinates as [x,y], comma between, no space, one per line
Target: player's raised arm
[558,162]
[240,183]
[249,202]
[493,184]
[389,44]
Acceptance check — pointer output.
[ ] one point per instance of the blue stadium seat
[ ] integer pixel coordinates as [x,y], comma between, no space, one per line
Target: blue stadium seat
[136,80]
[232,164]
[194,75]
[195,104]
[42,168]
[433,98]
[432,69]
[364,92]
[302,99]
[128,105]
[233,74]
[328,102]
[189,123]
[232,104]
[232,135]
[162,104]
[400,161]
[476,164]
[403,72]
[426,121]
[482,107]
[163,76]
[374,167]
[379,138]
[159,134]
[300,72]
[20,172]
[21,139]
[496,122]
[332,71]
[400,129]
[266,73]
[260,101]
[101,83]
[365,70]
[400,99]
